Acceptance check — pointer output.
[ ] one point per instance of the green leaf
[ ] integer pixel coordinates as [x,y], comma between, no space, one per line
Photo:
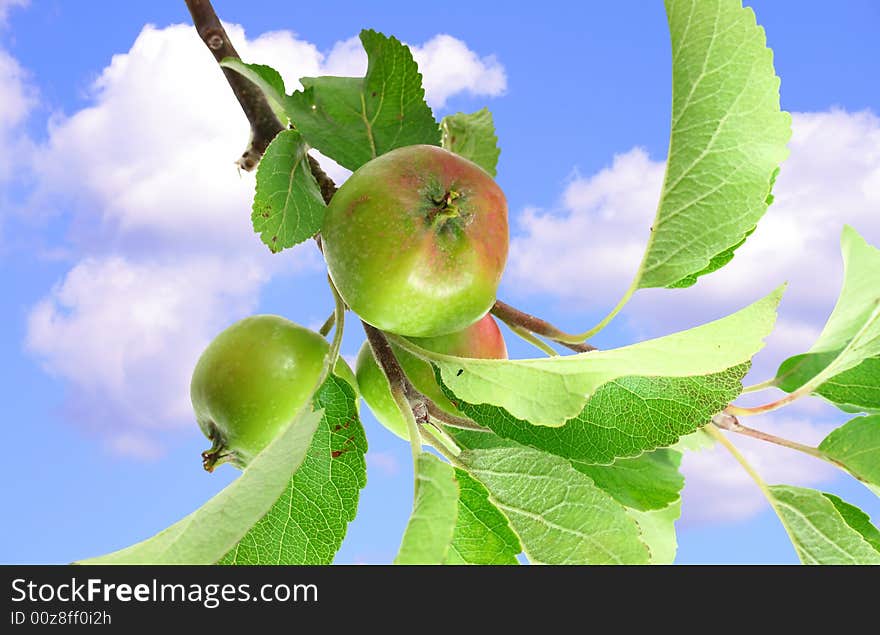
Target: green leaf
[307,524]
[650,488]
[482,534]
[352,120]
[657,527]
[824,529]
[649,482]
[623,418]
[855,316]
[857,519]
[267,79]
[728,137]
[429,533]
[853,390]
[856,444]
[550,390]
[205,535]
[843,365]
[714,265]
[559,514]
[288,208]
[473,137]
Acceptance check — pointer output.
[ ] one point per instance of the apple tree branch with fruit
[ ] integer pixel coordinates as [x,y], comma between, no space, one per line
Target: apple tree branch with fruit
[567,458]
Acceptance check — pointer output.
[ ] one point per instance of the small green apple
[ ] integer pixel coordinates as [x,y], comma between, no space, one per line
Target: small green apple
[250,382]
[416,241]
[480,340]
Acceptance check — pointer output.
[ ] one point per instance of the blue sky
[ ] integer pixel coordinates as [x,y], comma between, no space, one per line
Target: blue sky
[124,243]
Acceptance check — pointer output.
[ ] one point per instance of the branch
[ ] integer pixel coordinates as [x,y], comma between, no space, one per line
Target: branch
[397,379]
[328,187]
[512,316]
[264,124]
[727,421]
[424,409]
[415,415]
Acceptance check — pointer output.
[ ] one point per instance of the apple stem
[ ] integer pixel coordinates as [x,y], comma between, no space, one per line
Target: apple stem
[513,316]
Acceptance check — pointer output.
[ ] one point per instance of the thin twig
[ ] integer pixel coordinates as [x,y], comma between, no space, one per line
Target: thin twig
[424,409]
[264,124]
[415,414]
[397,378]
[512,315]
[328,187]
[727,421]
[713,430]
[451,420]
[745,411]
[336,343]
[531,338]
[583,347]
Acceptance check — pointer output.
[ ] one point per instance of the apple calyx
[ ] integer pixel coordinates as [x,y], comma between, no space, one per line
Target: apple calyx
[218,453]
[444,208]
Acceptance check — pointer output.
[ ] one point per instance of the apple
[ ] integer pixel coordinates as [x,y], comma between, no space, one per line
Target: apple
[416,241]
[250,382]
[480,340]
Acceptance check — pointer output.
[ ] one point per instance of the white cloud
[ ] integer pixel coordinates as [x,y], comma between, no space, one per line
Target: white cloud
[17,98]
[447,65]
[153,158]
[590,243]
[385,462]
[160,219]
[450,67]
[133,445]
[127,335]
[717,488]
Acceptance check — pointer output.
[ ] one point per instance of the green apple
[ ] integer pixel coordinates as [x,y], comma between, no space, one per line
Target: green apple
[250,382]
[416,241]
[480,340]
